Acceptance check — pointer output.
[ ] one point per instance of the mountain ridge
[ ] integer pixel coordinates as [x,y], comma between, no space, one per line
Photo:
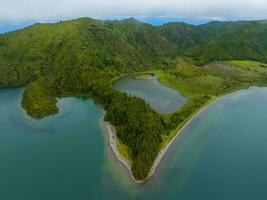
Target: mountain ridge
[130,42]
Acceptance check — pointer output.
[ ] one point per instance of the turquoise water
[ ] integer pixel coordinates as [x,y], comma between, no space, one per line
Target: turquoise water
[220,155]
[161,98]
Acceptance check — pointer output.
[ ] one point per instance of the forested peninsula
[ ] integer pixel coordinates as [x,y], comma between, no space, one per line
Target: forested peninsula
[83,57]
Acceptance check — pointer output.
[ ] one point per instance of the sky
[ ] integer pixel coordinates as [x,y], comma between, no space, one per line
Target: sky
[20,13]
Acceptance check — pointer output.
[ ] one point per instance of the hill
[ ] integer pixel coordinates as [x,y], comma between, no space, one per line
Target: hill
[128,44]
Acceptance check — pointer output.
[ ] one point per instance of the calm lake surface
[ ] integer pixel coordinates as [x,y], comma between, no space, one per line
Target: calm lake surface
[220,155]
[160,97]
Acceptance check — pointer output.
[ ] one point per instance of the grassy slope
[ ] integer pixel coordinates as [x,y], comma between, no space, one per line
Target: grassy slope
[215,78]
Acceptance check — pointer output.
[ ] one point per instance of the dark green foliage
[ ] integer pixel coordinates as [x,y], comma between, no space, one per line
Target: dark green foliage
[230,41]
[140,128]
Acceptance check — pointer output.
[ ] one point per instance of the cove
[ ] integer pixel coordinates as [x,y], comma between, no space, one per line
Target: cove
[64,156]
[220,155]
[161,98]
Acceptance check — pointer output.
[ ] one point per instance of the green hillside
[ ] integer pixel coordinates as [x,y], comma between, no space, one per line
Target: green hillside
[83,56]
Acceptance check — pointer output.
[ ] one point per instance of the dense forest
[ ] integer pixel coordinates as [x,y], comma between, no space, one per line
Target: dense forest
[81,58]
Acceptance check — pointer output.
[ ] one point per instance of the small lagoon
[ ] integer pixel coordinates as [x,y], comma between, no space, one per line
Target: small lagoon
[161,98]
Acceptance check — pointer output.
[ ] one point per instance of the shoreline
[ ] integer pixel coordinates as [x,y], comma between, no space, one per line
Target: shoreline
[112,143]
[186,123]
[112,140]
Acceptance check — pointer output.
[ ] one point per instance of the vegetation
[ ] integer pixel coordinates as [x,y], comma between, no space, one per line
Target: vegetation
[140,128]
[176,119]
[84,56]
[37,100]
[213,79]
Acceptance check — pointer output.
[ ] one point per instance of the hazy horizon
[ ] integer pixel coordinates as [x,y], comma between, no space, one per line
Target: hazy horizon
[156,21]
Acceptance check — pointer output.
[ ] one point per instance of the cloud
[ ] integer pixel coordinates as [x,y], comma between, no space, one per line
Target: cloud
[23,10]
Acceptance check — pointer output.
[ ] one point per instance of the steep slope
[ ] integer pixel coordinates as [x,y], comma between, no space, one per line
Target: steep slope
[146,38]
[128,44]
[37,50]
[179,34]
[230,40]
